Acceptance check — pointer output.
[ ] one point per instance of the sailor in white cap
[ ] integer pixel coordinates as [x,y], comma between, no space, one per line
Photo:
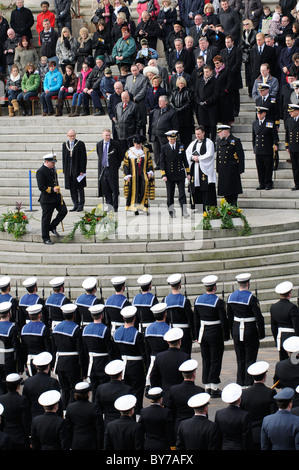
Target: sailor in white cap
[286,372]
[50,198]
[6,296]
[55,301]
[68,348]
[174,170]
[157,423]
[116,302]
[179,394]
[247,325]
[49,431]
[165,371]
[179,311]
[284,317]
[35,336]
[291,140]
[211,330]
[258,400]
[99,346]
[201,158]
[143,301]
[229,164]
[233,422]
[124,433]
[130,344]
[30,298]
[87,299]
[154,336]
[12,357]
[198,432]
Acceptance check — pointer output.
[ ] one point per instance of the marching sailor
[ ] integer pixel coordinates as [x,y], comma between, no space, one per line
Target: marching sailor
[115,303]
[30,298]
[143,302]
[86,300]
[55,301]
[5,296]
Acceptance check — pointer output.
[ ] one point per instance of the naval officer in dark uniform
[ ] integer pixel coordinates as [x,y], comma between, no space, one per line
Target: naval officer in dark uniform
[50,198]
[115,303]
[87,299]
[174,169]
[247,326]
[211,330]
[230,164]
[264,143]
[292,141]
[55,301]
[270,102]
[284,317]
[286,372]
[143,302]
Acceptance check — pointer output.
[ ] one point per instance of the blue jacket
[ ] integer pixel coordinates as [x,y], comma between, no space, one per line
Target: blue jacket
[53,80]
[280,431]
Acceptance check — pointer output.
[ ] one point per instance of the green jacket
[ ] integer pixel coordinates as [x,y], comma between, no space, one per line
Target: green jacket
[126,48]
[31,82]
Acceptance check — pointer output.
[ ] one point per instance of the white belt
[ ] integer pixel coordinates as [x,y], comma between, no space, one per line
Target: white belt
[91,356]
[3,350]
[147,380]
[203,323]
[129,358]
[282,330]
[64,353]
[114,324]
[30,357]
[242,322]
[180,325]
[55,323]
[27,321]
[144,325]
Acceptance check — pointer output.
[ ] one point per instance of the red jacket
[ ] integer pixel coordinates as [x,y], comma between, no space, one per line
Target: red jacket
[39,21]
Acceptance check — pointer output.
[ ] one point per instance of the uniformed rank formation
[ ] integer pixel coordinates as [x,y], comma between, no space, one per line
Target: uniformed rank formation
[75,373]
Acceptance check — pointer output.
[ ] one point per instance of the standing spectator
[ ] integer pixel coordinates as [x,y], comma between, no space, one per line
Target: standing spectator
[9,48]
[224,83]
[182,55]
[230,20]
[265,77]
[260,54]
[45,13]
[66,48]
[30,87]
[206,50]
[265,20]
[105,13]
[68,87]
[206,102]
[84,48]
[286,56]
[209,15]
[177,31]
[63,14]
[13,88]
[49,37]
[196,30]
[232,57]
[25,53]
[181,101]
[151,6]
[78,95]
[188,10]
[52,83]
[148,29]
[253,10]
[128,120]
[166,18]
[247,42]
[101,40]
[92,89]
[120,7]
[151,100]
[22,20]
[123,51]
[4,26]
[114,99]
[136,86]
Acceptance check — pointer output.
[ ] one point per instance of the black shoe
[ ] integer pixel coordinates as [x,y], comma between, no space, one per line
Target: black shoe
[260,187]
[54,231]
[172,215]
[268,187]
[80,209]
[216,393]
[48,242]
[73,209]
[136,213]
[101,112]
[157,168]
[295,188]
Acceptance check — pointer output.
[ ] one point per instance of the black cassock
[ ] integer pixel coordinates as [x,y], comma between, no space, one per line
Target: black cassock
[74,161]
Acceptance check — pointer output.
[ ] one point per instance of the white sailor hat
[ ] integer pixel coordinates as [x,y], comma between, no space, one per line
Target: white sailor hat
[5,307]
[4,281]
[188,366]
[42,359]
[243,277]
[173,133]
[12,378]
[114,367]
[68,308]
[145,279]
[198,400]
[293,107]
[174,278]
[231,393]
[49,398]
[261,109]
[283,287]
[57,281]
[31,281]
[263,86]
[154,393]
[222,127]
[118,280]
[159,308]
[50,157]
[89,283]
[125,403]
[34,309]
[1,409]
[291,344]
[209,280]
[258,368]
[173,334]
[128,311]
[82,387]
[97,308]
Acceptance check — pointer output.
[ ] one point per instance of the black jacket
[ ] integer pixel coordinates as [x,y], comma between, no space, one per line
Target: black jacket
[48,48]
[115,159]
[46,181]
[164,122]
[21,21]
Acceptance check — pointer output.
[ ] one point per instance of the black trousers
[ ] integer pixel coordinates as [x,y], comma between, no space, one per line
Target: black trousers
[246,352]
[77,194]
[170,188]
[47,212]
[67,381]
[110,193]
[264,166]
[295,166]
[206,198]
[212,348]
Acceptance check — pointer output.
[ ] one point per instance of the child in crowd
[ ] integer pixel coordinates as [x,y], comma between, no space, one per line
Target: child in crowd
[124,73]
[69,86]
[78,95]
[107,84]
[13,88]
[146,52]
[43,67]
[265,20]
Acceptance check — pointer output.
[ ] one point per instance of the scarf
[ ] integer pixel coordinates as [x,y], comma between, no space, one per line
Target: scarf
[217,71]
[15,79]
[67,43]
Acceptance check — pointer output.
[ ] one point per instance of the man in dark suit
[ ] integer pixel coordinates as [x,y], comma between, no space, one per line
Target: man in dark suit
[50,198]
[206,50]
[109,161]
[180,54]
[114,99]
[128,120]
[232,57]
[286,55]
[285,28]
[260,54]
[179,71]
[287,93]
[195,31]
[292,141]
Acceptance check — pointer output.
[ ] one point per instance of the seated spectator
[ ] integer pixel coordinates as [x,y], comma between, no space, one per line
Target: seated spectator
[52,84]
[30,87]
[25,53]
[120,7]
[69,86]
[265,77]
[265,20]
[84,49]
[124,50]
[146,52]
[22,20]
[151,6]
[49,37]
[101,40]
[107,83]
[92,89]
[78,95]
[45,13]
[43,68]
[13,88]
[9,48]
[66,48]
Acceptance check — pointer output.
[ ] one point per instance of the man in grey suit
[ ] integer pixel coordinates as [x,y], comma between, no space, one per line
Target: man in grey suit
[136,85]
